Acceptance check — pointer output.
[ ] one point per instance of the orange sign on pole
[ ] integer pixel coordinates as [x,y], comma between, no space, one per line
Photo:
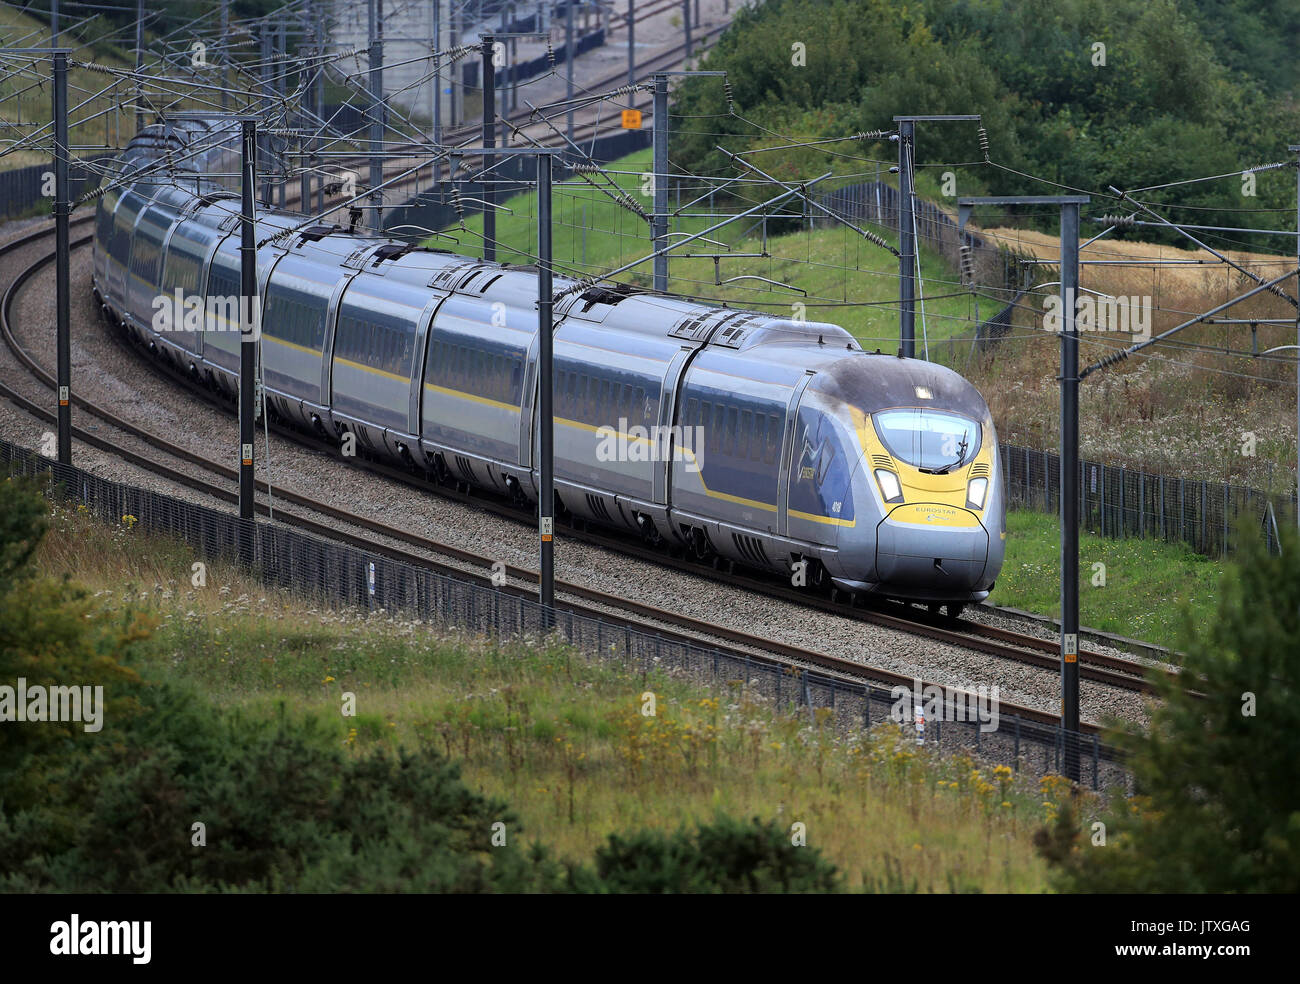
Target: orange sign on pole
[631,119]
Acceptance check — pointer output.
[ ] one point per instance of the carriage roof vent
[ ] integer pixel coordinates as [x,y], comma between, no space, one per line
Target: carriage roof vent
[392,251]
[314,234]
[606,295]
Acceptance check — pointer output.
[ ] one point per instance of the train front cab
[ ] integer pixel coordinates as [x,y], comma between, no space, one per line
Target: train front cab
[928,503]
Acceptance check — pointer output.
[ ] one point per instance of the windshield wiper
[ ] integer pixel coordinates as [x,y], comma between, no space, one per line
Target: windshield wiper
[961,456]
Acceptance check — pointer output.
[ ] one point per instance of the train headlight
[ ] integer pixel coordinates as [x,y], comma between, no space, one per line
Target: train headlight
[975,493]
[889,487]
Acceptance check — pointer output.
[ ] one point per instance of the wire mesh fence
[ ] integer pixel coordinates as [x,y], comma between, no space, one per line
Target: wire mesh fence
[994,266]
[1123,502]
[333,573]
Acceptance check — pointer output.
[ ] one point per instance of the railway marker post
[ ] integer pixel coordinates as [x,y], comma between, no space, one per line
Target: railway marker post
[62,256]
[545,410]
[545,360]
[1069,459]
[62,251]
[247,348]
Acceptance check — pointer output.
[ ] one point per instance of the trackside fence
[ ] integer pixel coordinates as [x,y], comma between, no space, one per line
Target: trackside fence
[1124,502]
[332,573]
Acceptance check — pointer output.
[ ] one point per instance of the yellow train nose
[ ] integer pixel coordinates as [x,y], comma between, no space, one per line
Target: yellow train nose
[931,545]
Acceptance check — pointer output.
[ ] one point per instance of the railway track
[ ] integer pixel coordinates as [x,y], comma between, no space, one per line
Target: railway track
[519,121]
[417,550]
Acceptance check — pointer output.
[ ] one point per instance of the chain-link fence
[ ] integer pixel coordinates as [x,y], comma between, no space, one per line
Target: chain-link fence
[1125,502]
[335,574]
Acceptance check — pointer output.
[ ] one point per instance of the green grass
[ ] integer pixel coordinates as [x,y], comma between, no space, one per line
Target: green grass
[1148,583]
[592,234]
[563,740]
[25,96]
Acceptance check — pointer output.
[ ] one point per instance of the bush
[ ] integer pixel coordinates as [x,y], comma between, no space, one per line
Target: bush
[1220,810]
[728,855]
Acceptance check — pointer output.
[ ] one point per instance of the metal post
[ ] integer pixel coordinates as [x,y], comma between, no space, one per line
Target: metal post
[263,148]
[631,42]
[1069,495]
[1295,149]
[249,317]
[659,218]
[568,65]
[54,23]
[305,172]
[686,24]
[139,64]
[545,421]
[906,243]
[62,207]
[376,34]
[437,73]
[320,108]
[225,36]
[489,141]
[453,36]
[281,86]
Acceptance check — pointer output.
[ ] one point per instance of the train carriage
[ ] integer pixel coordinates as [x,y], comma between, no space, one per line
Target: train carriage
[741,436]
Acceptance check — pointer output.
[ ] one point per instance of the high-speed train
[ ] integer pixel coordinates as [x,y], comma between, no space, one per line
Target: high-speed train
[772,443]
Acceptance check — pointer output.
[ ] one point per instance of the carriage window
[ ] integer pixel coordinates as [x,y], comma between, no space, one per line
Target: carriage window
[719,419]
[729,438]
[756,446]
[692,408]
[604,397]
[742,437]
[773,439]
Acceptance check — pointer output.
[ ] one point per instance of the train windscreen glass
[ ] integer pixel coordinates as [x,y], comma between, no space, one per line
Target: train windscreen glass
[932,440]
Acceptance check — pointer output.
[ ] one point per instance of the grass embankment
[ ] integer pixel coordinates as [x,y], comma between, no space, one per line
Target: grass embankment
[563,740]
[1149,584]
[1181,408]
[833,264]
[97,119]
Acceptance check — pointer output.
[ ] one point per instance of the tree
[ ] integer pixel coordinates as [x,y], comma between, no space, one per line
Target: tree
[1220,805]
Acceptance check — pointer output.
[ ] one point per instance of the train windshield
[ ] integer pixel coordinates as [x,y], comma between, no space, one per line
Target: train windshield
[931,440]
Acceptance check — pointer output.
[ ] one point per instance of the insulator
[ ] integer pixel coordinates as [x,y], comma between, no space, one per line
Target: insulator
[550,54]
[1119,221]
[1115,357]
[726,88]
[984,143]
[871,237]
[456,203]
[967,264]
[871,135]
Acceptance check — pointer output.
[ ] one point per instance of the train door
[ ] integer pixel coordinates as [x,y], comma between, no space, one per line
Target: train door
[788,451]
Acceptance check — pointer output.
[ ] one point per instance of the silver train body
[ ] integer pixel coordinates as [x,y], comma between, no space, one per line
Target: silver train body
[777,444]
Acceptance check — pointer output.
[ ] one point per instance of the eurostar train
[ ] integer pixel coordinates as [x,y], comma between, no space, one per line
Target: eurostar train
[745,437]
